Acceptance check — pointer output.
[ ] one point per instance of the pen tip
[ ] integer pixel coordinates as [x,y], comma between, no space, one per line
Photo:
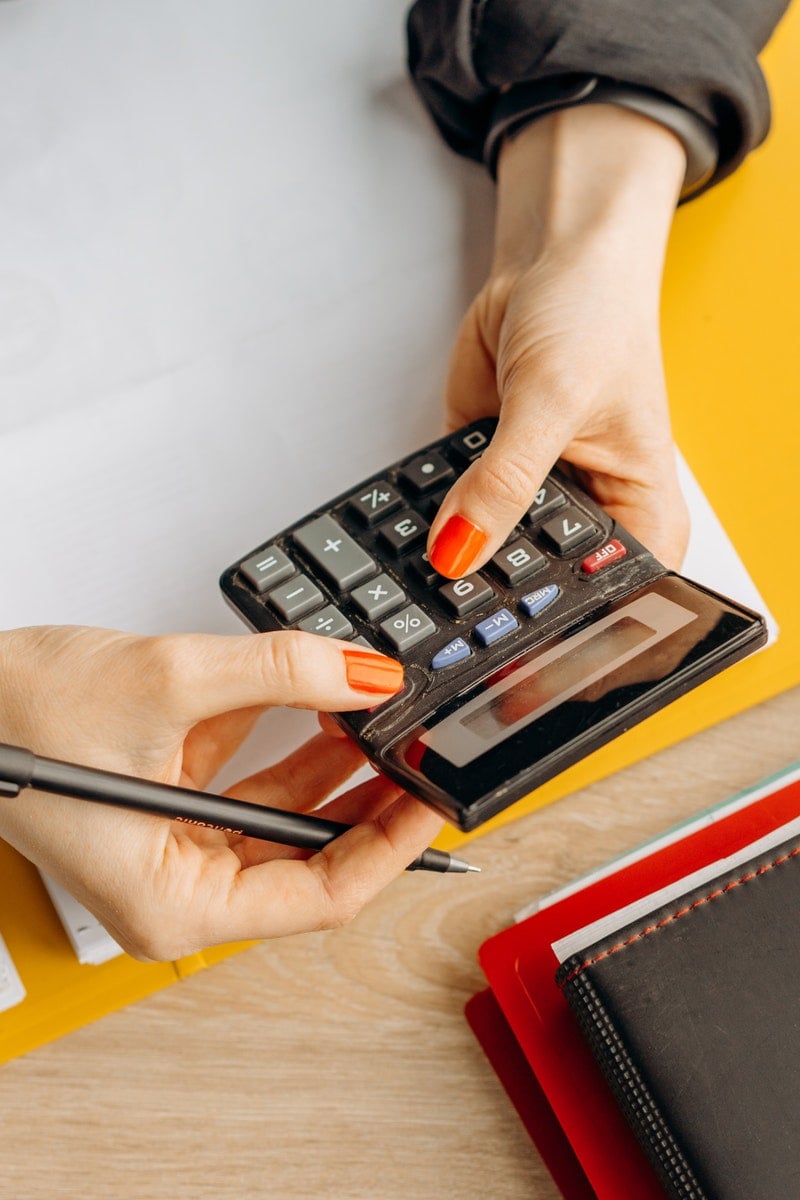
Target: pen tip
[470,867]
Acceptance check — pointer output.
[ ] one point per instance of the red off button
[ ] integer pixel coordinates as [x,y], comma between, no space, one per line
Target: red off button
[612,552]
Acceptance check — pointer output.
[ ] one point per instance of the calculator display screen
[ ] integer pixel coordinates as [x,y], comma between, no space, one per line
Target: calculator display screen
[530,717]
[541,681]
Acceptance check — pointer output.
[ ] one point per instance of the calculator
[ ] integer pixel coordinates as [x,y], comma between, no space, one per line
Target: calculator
[572,632]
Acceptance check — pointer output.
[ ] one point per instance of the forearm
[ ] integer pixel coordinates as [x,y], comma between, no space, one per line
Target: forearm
[600,181]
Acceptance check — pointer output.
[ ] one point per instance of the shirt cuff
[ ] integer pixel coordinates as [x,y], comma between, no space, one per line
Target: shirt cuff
[524,102]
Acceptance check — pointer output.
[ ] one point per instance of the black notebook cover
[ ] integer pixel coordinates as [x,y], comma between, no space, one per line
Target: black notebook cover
[693,1013]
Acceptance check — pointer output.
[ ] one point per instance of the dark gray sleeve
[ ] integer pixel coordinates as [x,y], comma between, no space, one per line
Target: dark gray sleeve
[466,56]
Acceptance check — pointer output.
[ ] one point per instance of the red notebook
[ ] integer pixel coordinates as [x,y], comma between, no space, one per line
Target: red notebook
[528,1032]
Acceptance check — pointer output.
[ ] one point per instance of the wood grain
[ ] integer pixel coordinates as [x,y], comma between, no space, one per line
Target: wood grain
[339,1066]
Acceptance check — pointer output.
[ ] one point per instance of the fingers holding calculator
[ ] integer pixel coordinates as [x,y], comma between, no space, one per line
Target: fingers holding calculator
[562,342]
[570,633]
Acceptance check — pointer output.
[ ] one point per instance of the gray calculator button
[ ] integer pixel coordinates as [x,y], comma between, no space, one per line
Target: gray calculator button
[569,529]
[469,444]
[430,505]
[546,499]
[403,532]
[335,552]
[463,596]
[406,628]
[421,568]
[329,622]
[294,599]
[266,568]
[375,501]
[518,560]
[378,597]
[426,473]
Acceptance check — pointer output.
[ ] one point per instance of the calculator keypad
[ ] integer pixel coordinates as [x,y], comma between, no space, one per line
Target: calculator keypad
[408,627]
[537,601]
[430,505]
[469,444]
[378,597]
[518,560]
[463,596]
[499,625]
[569,529]
[404,532]
[422,570]
[329,622]
[335,553]
[598,560]
[294,599]
[427,473]
[267,568]
[359,570]
[547,499]
[454,652]
[375,503]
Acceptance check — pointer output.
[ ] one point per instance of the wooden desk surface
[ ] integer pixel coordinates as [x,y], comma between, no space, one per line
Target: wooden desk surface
[339,1066]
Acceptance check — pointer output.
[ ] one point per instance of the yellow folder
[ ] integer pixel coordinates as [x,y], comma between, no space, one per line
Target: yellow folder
[731,328]
[63,994]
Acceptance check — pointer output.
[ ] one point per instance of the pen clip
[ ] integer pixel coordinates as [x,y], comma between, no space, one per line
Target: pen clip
[9,789]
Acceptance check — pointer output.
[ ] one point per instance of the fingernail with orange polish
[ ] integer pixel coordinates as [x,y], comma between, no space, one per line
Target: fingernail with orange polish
[457,546]
[374,674]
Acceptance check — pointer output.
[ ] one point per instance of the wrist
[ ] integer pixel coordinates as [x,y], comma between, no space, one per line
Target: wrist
[11,663]
[599,179]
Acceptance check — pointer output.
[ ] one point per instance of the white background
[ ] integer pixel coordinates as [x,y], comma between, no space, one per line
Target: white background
[232,257]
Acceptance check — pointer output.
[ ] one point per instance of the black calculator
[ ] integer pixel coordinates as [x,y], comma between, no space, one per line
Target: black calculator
[571,634]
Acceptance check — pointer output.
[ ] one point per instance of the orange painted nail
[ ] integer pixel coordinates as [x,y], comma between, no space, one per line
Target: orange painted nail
[457,546]
[372,673]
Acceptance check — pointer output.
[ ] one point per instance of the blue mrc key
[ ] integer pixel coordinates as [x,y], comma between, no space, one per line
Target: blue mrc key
[495,627]
[534,602]
[453,652]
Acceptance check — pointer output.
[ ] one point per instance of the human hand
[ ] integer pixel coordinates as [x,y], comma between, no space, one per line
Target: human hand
[175,709]
[563,340]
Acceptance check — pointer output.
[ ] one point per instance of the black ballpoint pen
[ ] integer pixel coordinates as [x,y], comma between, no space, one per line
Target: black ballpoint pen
[20,768]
